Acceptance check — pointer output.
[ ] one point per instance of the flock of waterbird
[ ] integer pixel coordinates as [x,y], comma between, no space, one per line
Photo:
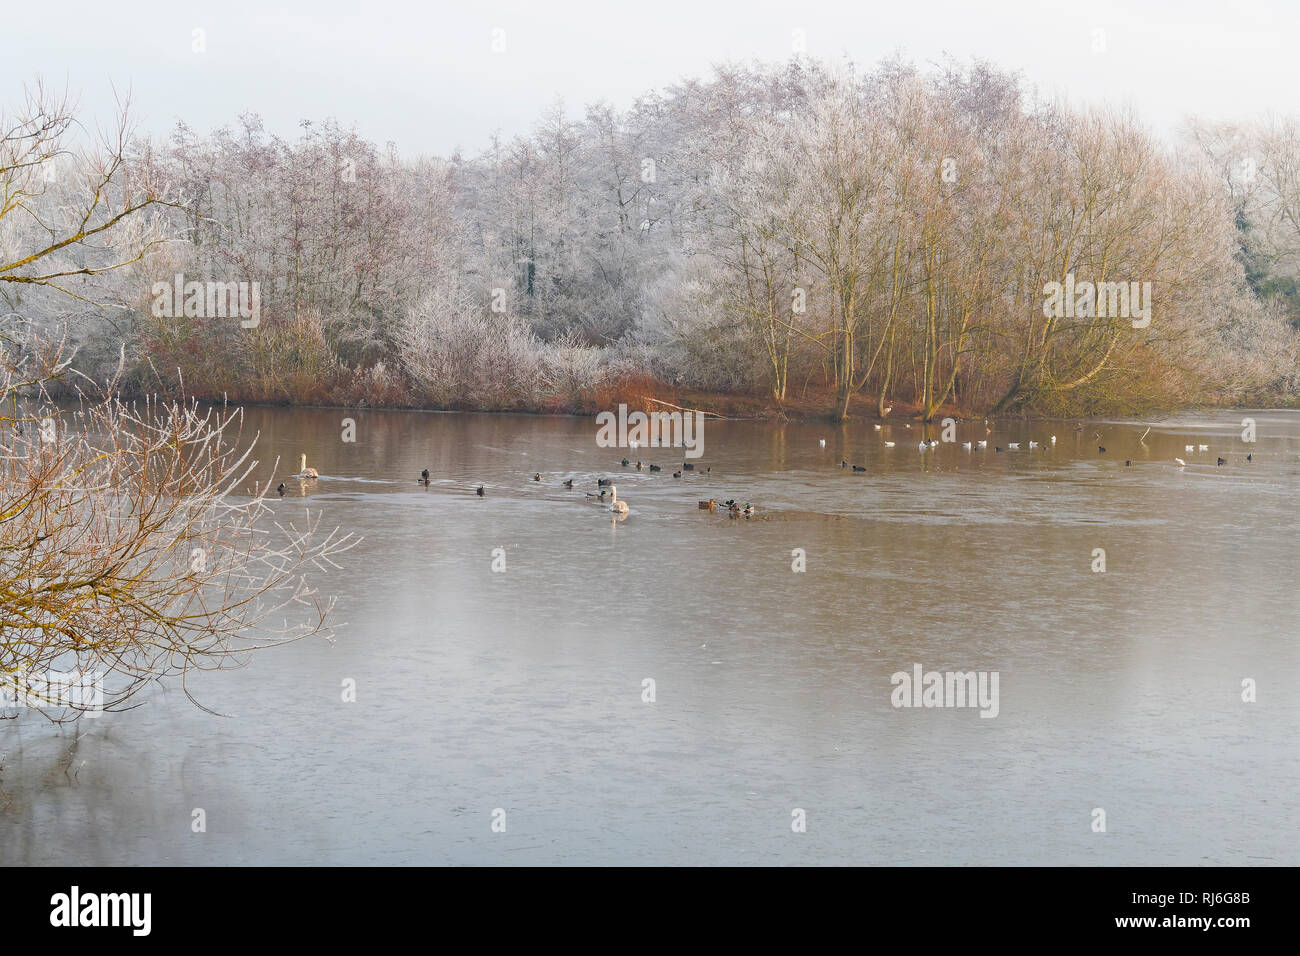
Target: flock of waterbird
[606,487]
[608,491]
[927,444]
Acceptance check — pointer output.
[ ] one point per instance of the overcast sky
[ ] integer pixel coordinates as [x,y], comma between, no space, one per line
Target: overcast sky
[424,74]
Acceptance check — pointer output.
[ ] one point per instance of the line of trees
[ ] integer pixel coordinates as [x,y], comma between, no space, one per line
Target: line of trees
[864,237]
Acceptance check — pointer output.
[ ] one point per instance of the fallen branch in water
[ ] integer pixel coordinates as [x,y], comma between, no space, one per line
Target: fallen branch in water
[697,411]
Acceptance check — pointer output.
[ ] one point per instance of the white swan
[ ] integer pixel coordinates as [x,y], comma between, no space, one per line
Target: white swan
[1013,444]
[982,444]
[1053,439]
[822,441]
[966,445]
[1203,447]
[877,428]
[1180,463]
[1189,448]
[307,472]
[618,507]
[889,444]
[922,447]
[1033,444]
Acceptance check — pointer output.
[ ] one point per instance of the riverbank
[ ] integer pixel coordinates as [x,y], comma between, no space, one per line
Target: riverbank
[638,393]
[810,403]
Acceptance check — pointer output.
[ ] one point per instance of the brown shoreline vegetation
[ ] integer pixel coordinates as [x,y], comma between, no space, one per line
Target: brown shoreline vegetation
[646,394]
[643,393]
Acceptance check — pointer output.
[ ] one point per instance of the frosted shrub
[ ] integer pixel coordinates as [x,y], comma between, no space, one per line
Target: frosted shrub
[457,354]
[570,366]
[700,340]
[376,386]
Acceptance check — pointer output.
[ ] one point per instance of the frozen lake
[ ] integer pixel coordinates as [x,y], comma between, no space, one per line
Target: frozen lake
[523,689]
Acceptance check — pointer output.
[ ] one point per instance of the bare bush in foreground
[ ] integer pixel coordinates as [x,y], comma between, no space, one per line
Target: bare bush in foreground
[130,545]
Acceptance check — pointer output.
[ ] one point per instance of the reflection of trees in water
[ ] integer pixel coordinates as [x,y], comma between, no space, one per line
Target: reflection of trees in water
[113,794]
[61,788]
